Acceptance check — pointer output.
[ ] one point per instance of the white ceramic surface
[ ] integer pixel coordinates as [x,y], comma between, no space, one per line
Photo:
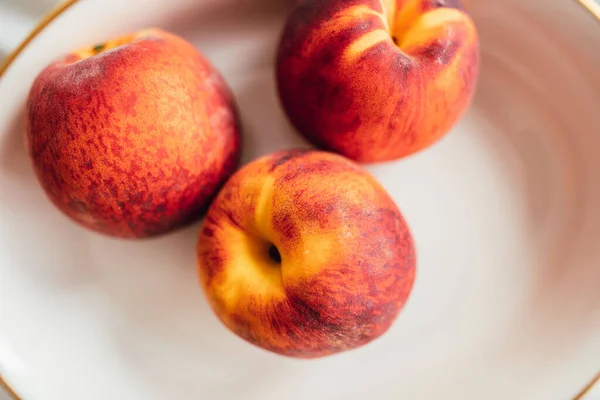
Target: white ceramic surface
[505,212]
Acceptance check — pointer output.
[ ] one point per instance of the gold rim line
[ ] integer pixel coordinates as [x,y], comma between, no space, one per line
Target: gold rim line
[4,385]
[586,390]
[4,65]
[590,5]
[44,22]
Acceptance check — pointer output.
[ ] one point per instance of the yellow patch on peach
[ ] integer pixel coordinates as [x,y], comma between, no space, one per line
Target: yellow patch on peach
[433,25]
[365,42]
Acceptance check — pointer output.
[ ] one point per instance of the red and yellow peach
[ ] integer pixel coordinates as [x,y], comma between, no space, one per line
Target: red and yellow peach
[377,80]
[304,254]
[133,137]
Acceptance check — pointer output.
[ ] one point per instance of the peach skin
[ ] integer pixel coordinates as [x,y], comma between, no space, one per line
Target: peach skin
[304,254]
[133,137]
[377,80]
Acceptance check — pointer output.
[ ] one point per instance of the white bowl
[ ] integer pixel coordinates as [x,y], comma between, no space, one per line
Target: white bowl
[505,212]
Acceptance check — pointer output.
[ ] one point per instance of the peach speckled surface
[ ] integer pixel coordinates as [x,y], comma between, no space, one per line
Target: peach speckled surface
[110,166]
[520,117]
[366,103]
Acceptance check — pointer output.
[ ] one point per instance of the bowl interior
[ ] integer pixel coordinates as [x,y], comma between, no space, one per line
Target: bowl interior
[505,213]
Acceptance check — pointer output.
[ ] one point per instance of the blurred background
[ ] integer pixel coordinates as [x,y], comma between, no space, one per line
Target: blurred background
[19,17]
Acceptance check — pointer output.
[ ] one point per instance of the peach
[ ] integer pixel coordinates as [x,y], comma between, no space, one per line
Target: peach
[377,80]
[303,253]
[133,137]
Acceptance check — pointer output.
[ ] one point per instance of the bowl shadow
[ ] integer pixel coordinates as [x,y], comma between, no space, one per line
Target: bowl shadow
[165,330]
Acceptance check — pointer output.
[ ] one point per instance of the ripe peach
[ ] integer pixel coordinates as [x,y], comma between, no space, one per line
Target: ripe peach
[133,137]
[304,254]
[377,80]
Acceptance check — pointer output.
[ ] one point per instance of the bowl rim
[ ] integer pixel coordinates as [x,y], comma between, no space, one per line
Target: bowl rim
[591,6]
[39,27]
